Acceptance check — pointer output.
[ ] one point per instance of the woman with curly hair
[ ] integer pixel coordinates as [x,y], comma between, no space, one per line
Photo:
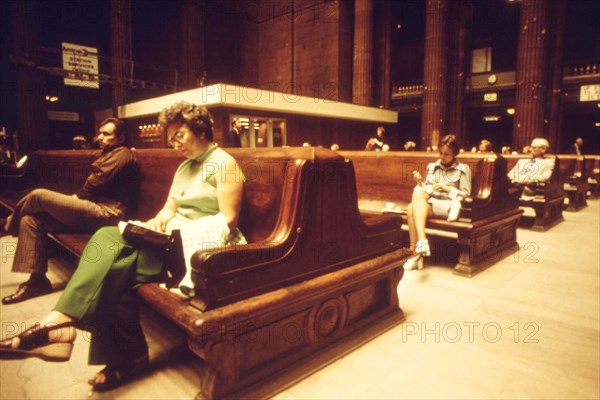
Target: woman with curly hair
[203,204]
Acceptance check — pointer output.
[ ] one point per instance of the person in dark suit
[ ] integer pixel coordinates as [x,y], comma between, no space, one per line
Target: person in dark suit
[233,136]
[577,147]
[103,200]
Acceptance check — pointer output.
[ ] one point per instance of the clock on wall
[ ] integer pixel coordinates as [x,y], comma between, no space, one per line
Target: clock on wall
[492,79]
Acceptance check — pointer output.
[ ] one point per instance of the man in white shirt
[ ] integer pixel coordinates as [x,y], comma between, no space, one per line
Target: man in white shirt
[528,172]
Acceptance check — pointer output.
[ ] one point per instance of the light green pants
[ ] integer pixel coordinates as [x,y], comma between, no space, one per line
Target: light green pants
[101,295]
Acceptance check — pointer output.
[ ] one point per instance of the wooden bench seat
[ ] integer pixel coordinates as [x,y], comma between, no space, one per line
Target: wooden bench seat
[486,229]
[548,202]
[574,179]
[313,268]
[592,172]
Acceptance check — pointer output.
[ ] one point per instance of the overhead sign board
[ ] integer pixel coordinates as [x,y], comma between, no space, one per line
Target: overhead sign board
[589,93]
[81,64]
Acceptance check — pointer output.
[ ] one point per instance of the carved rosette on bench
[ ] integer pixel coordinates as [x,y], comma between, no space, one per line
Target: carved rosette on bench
[249,345]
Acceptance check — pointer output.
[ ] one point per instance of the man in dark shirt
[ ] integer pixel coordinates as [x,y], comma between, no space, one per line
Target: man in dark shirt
[577,147]
[233,136]
[108,192]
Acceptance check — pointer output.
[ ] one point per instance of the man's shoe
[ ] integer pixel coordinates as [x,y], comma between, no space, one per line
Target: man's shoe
[28,290]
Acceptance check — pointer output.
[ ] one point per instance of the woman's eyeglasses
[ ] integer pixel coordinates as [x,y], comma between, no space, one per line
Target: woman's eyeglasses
[176,138]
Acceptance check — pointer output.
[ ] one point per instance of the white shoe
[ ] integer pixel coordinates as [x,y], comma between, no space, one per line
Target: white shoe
[414,262]
[422,247]
[21,162]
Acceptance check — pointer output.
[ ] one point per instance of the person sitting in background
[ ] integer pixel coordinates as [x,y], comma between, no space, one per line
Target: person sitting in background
[410,146]
[80,142]
[234,135]
[203,204]
[108,192]
[376,142]
[485,146]
[576,147]
[446,181]
[528,172]
[505,150]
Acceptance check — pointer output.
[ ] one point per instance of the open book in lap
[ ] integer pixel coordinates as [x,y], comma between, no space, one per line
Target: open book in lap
[136,233]
[174,267]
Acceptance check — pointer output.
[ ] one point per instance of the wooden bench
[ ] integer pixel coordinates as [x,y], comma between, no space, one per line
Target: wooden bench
[548,202]
[592,172]
[574,179]
[486,229]
[315,281]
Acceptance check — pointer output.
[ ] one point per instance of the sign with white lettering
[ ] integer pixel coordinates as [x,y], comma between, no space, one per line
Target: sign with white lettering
[589,93]
[490,97]
[81,64]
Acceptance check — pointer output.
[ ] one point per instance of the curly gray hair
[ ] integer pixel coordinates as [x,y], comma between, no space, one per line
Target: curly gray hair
[197,118]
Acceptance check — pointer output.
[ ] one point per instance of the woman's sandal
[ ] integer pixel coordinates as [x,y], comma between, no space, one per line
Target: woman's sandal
[415,261]
[421,249]
[34,342]
[115,375]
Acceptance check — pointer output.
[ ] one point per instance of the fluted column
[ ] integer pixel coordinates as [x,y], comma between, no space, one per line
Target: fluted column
[460,17]
[381,67]
[555,114]
[434,73]
[532,73]
[362,79]
[120,50]
[191,55]
[32,113]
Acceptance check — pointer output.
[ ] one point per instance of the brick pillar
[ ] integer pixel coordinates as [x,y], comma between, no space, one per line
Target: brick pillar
[434,73]
[362,79]
[532,73]
[30,83]
[120,51]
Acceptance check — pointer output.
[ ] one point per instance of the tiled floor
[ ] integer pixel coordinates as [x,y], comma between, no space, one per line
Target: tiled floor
[528,327]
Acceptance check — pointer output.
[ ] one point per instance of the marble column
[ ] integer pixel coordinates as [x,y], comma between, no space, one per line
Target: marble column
[120,51]
[433,122]
[362,79]
[532,74]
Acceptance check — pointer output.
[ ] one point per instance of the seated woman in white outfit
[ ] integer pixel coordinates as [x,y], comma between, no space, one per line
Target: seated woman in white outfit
[446,180]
